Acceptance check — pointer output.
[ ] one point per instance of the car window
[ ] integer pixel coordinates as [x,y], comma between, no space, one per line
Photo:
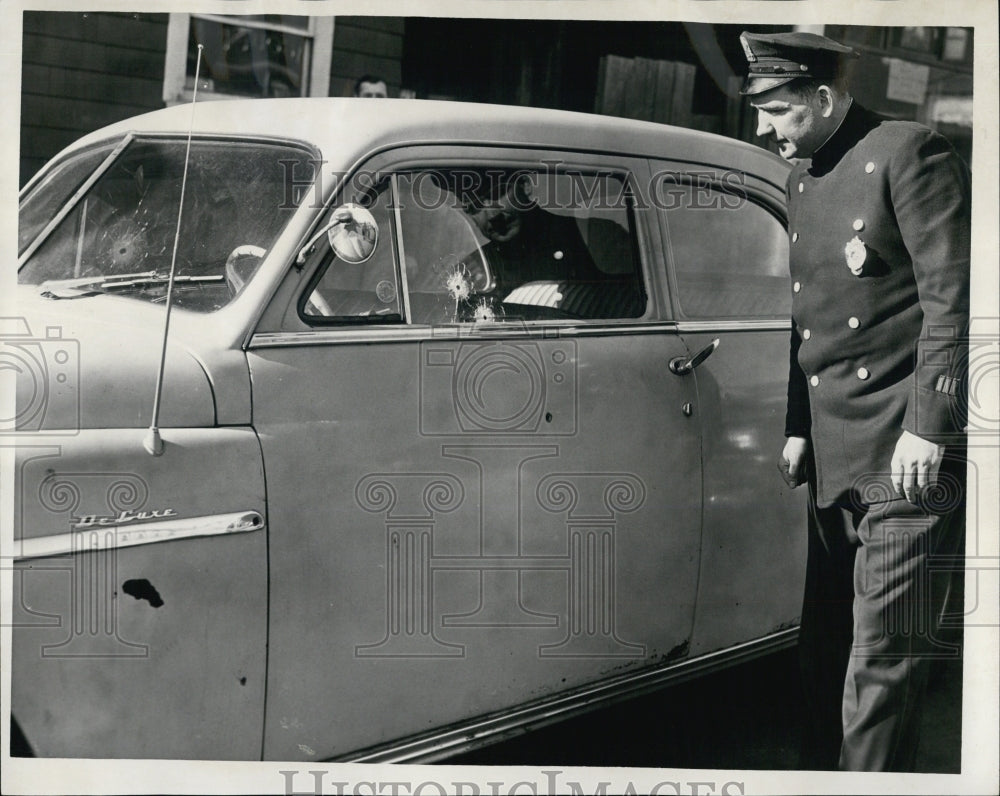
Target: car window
[729,254]
[54,188]
[365,291]
[495,244]
[119,235]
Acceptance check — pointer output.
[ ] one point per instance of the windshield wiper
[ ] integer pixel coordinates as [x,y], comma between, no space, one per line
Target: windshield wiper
[93,286]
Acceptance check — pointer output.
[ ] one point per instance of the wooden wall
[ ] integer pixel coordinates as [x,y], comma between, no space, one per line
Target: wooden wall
[366,45]
[82,71]
[663,91]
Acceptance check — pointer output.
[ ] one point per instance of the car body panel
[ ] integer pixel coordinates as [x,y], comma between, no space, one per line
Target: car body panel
[628,534]
[156,650]
[111,347]
[486,531]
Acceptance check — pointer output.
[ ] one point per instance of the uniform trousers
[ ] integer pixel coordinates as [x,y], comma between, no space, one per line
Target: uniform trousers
[881,581]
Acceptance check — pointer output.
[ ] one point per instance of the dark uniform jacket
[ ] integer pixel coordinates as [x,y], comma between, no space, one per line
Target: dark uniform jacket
[879,225]
[547,247]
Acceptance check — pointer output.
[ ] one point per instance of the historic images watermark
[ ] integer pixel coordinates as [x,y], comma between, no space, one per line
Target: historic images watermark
[434,188]
[319,783]
[69,578]
[42,369]
[66,556]
[964,367]
[495,433]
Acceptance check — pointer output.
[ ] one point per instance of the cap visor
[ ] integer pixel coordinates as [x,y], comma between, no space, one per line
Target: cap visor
[758,85]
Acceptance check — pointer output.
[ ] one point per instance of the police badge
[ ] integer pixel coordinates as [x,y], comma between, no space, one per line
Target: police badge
[856,254]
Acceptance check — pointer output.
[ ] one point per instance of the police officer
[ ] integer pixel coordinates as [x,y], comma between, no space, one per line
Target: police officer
[878,223]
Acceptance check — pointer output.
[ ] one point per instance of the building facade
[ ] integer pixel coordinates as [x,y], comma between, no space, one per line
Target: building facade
[81,71]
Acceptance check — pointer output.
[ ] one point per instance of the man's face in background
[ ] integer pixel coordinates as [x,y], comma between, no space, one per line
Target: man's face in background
[376,90]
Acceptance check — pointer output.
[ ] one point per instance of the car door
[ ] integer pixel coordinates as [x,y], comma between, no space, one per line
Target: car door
[727,253]
[478,497]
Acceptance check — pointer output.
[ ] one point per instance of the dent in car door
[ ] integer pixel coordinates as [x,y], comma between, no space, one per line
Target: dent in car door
[468,517]
[728,254]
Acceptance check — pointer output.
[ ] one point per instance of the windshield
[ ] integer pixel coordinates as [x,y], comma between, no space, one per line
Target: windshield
[119,236]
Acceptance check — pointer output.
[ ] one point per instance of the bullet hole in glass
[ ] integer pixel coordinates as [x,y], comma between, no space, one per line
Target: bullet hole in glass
[143,590]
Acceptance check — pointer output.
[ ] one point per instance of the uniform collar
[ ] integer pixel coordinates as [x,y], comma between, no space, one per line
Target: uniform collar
[857,122]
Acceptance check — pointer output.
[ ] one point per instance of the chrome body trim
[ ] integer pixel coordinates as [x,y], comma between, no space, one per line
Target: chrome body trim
[104,537]
[401,334]
[770,325]
[480,732]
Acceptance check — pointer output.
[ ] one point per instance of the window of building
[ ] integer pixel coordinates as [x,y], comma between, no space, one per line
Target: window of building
[255,55]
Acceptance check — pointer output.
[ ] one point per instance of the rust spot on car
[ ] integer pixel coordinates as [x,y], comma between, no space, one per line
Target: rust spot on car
[787,625]
[143,590]
[679,651]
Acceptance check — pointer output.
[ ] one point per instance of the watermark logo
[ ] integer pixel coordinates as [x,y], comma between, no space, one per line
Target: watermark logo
[472,386]
[320,782]
[86,575]
[918,559]
[43,372]
[591,506]
[958,381]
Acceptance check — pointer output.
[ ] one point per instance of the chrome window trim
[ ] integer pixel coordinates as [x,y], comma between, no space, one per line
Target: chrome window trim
[67,208]
[400,252]
[397,334]
[95,537]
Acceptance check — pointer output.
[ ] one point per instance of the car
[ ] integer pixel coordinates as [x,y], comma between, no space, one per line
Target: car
[379,431]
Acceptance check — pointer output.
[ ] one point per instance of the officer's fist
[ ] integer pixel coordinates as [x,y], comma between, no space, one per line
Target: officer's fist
[915,463]
[792,462]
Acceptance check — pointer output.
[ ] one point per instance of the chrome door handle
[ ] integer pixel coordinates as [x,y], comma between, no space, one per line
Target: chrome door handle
[681,366]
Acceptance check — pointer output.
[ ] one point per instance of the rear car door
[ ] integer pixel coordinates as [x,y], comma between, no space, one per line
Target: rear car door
[484,483]
[726,251]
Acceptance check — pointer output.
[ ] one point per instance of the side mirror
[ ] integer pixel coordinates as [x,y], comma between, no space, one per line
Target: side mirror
[352,234]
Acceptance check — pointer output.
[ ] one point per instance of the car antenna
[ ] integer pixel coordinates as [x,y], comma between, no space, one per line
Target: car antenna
[153,442]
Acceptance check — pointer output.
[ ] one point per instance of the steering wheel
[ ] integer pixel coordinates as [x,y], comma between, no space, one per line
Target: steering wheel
[238,275]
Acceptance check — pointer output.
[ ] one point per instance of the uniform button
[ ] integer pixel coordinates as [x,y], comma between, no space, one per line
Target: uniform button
[869,167]
[795,236]
[796,287]
[814,381]
[806,334]
[801,187]
[858,225]
[863,373]
[853,322]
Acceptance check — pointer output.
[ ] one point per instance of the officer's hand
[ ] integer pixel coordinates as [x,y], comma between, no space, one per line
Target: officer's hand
[792,462]
[915,464]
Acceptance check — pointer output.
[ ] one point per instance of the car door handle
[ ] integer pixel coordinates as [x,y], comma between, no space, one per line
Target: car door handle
[681,366]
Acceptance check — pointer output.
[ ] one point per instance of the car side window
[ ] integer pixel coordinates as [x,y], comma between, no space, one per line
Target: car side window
[729,254]
[495,244]
[365,291]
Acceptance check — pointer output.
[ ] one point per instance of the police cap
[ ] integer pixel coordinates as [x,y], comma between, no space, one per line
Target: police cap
[777,58]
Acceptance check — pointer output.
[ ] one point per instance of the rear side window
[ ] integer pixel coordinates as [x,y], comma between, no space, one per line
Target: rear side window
[729,254]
